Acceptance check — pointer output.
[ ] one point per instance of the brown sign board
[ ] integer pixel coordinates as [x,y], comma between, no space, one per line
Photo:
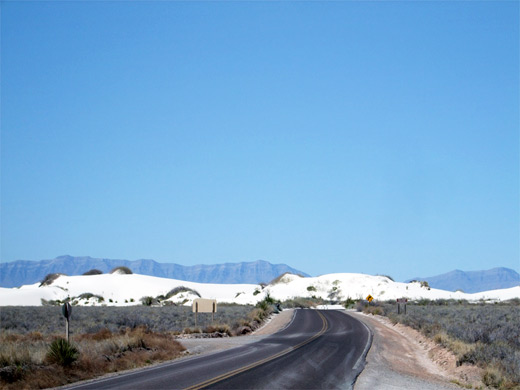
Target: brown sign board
[201,305]
[402,300]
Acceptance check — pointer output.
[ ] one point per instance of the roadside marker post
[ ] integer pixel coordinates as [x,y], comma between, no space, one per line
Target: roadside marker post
[66,310]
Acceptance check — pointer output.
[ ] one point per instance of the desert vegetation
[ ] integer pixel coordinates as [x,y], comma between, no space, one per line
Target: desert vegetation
[89,320]
[93,271]
[34,354]
[49,278]
[122,270]
[484,334]
[36,360]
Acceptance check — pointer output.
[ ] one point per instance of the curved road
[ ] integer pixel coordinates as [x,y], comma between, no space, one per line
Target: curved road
[319,349]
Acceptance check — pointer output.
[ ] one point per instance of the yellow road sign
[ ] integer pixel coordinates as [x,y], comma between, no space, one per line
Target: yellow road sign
[370,298]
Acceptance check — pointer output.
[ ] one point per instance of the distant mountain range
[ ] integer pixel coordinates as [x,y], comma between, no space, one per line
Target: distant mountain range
[474,281]
[21,272]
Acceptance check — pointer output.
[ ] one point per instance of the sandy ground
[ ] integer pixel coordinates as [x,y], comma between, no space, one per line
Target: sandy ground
[204,346]
[401,357]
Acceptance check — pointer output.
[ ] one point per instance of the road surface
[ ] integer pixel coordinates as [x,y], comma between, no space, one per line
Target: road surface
[319,349]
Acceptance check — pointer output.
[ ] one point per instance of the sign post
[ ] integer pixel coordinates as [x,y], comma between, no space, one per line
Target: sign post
[66,310]
[370,298]
[204,306]
[401,301]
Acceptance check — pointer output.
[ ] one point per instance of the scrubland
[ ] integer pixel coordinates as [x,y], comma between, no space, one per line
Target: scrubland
[483,334]
[33,353]
[49,320]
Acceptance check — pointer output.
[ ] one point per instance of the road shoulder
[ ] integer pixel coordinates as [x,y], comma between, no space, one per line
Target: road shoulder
[203,346]
[401,357]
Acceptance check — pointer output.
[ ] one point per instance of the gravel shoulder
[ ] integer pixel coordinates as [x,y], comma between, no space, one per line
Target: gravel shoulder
[204,346]
[401,357]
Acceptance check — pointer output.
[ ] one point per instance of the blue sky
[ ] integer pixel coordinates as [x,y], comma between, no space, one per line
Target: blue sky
[377,137]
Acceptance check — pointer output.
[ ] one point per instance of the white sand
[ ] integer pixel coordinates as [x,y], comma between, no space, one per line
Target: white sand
[120,290]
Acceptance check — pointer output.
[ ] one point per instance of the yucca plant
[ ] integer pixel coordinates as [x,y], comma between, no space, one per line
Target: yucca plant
[62,352]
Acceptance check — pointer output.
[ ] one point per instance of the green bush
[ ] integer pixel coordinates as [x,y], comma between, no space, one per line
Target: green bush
[62,352]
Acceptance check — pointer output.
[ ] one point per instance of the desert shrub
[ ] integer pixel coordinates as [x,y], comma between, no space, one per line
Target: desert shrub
[361,305]
[349,303]
[373,309]
[102,334]
[11,374]
[93,272]
[218,328]
[263,305]
[49,320]
[302,302]
[280,279]
[482,334]
[90,295]
[270,300]
[148,301]
[62,352]
[25,365]
[49,278]
[311,288]
[425,284]
[194,330]
[121,270]
[51,302]
[181,289]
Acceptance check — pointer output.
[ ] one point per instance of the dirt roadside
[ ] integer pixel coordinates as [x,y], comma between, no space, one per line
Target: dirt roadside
[401,357]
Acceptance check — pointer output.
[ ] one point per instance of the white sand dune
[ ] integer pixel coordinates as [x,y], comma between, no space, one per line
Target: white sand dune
[127,290]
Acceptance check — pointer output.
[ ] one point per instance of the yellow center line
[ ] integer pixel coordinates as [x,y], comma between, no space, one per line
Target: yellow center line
[260,362]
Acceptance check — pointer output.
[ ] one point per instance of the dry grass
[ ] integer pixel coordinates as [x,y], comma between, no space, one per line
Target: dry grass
[23,364]
[458,347]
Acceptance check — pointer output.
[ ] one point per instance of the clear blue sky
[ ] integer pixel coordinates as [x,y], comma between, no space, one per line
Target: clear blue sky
[377,137]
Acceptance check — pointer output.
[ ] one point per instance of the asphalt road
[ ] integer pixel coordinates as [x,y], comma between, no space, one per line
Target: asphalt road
[319,349]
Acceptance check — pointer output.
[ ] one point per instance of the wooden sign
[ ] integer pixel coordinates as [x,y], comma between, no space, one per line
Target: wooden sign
[201,305]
